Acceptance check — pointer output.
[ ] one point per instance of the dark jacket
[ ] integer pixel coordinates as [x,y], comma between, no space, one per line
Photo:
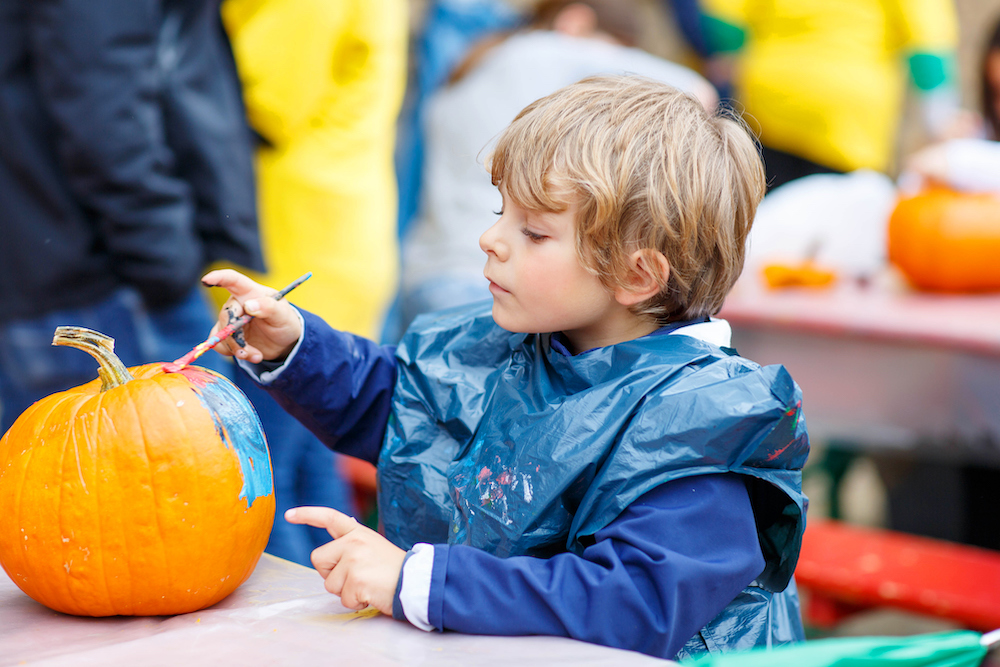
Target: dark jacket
[125,158]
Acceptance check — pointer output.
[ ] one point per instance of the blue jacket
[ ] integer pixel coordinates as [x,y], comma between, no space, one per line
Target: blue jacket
[629,495]
[125,158]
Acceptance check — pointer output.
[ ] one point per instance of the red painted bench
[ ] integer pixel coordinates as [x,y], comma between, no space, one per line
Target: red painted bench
[846,568]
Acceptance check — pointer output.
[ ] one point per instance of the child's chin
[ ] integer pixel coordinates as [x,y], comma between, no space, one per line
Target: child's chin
[503,320]
[513,325]
[498,317]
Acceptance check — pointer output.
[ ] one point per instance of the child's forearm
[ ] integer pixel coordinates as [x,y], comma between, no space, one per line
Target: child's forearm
[340,387]
[668,565]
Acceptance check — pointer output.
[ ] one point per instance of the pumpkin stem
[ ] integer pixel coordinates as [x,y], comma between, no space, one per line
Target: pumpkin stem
[111,370]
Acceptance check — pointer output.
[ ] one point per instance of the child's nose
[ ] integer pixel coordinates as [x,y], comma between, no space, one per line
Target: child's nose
[491,243]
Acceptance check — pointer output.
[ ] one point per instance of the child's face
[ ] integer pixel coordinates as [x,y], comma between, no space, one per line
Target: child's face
[538,282]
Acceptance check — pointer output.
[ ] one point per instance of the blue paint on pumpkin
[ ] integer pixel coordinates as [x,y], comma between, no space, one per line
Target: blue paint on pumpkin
[239,427]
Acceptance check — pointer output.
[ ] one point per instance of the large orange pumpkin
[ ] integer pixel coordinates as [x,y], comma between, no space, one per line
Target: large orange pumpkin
[140,493]
[947,241]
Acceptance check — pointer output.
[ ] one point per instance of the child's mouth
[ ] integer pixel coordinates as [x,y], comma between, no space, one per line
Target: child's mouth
[496,289]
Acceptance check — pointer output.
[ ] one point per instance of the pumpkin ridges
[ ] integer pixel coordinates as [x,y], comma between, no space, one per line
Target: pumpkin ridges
[106,523]
[252,533]
[194,525]
[161,569]
[5,444]
[172,578]
[23,544]
[72,406]
[29,509]
[199,501]
[70,438]
[90,541]
[79,504]
[251,540]
[101,419]
[45,586]
[128,532]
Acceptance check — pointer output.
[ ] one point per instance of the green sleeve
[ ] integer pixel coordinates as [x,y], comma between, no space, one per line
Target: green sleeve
[721,36]
[930,71]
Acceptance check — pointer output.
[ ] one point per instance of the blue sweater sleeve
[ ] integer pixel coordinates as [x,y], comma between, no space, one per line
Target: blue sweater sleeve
[655,576]
[340,387]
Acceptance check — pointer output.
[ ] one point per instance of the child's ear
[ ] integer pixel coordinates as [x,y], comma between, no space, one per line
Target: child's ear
[648,273]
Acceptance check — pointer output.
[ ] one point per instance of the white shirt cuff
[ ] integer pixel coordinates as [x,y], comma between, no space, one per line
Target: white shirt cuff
[415,593]
[262,376]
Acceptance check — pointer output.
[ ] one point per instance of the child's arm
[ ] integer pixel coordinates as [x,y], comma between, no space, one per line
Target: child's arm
[655,576]
[338,385]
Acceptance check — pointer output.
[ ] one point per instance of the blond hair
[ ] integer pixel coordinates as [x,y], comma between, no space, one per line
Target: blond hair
[651,170]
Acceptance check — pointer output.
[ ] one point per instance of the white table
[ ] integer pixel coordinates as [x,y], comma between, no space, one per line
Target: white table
[280,616]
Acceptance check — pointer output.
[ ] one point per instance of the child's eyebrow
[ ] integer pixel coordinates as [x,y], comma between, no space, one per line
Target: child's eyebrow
[540,218]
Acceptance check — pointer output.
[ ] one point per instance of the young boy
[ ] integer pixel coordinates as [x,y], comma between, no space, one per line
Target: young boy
[587,458]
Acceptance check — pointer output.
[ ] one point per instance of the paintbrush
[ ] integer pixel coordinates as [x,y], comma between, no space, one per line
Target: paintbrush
[225,332]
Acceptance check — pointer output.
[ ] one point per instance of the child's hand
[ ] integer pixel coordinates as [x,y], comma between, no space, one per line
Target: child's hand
[276,326]
[360,566]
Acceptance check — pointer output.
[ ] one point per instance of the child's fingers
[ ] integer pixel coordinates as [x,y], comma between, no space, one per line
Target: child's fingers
[336,523]
[246,353]
[329,561]
[262,307]
[324,558]
[335,580]
[239,285]
[350,597]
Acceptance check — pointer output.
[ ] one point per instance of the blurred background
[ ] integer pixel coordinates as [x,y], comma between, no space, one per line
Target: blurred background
[360,158]
[661,35]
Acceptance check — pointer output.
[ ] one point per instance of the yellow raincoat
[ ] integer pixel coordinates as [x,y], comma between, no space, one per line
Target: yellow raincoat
[323,82]
[825,79]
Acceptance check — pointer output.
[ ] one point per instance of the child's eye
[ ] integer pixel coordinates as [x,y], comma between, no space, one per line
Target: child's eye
[532,235]
[500,212]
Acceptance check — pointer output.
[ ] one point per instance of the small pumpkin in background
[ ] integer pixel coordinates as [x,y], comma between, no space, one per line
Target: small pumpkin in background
[948,241]
[801,274]
[140,493]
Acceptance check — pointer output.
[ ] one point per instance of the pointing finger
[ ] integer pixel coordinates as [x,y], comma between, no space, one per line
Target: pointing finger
[336,523]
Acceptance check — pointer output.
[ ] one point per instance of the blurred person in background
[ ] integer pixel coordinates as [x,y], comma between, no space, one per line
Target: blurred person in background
[561,42]
[825,80]
[125,169]
[970,163]
[989,85]
[448,28]
[323,82]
